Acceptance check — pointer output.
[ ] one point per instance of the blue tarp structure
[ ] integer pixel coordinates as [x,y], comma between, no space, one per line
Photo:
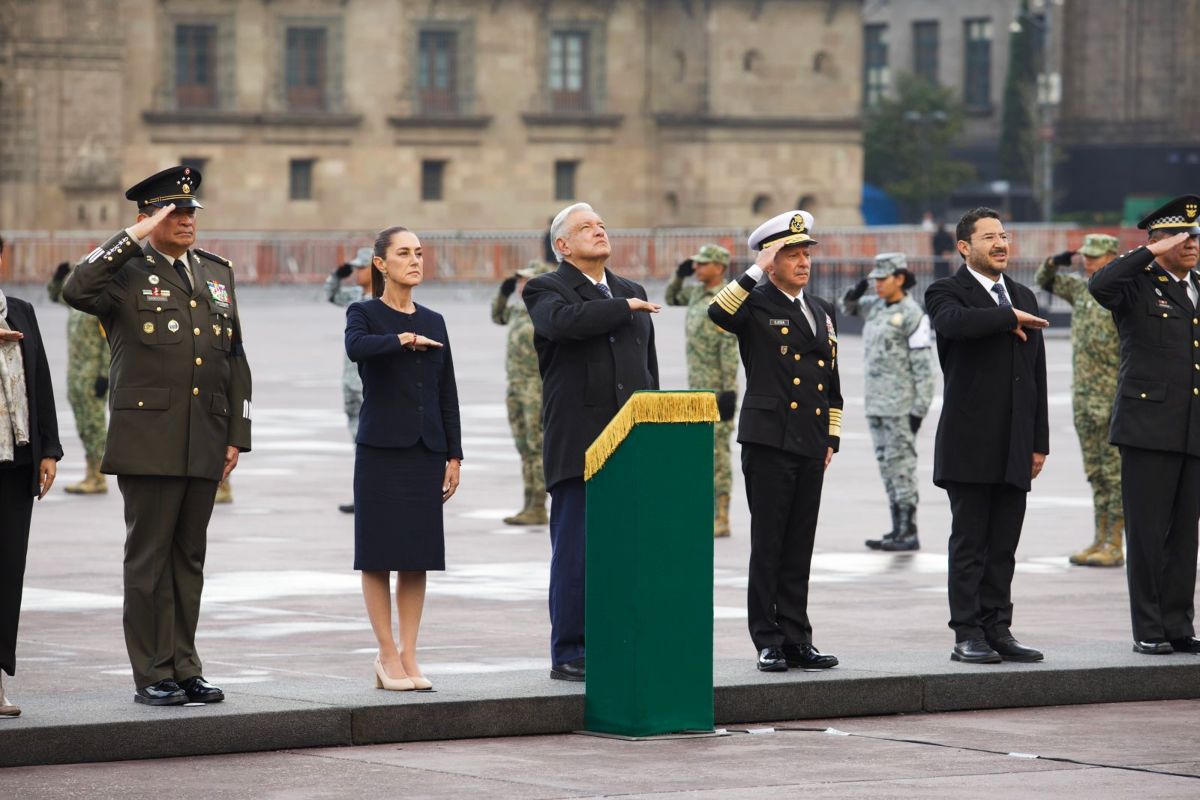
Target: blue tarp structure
[878,208]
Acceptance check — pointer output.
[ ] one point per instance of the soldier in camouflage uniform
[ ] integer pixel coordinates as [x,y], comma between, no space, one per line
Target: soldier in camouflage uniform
[340,295]
[712,359]
[87,384]
[899,387]
[1095,359]
[524,395]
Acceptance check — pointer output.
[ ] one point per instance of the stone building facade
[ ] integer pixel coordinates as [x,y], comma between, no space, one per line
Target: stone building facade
[312,115]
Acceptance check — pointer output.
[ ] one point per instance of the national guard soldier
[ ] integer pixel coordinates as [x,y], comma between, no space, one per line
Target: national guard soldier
[712,360]
[899,387]
[87,385]
[523,398]
[342,296]
[1152,292]
[1095,357]
[180,403]
[789,428]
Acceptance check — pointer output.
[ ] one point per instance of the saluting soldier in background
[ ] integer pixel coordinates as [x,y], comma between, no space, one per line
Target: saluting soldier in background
[1152,293]
[87,385]
[341,295]
[712,361]
[789,429]
[180,402]
[523,397]
[898,388]
[1095,357]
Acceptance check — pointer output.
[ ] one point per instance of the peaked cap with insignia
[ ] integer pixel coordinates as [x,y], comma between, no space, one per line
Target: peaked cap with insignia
[790,227]
[176,185]
[1176,216]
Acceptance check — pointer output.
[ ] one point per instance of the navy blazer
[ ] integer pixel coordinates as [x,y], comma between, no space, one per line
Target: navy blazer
[1157,406]
[994,404]
[43,419]
[409,396]
[593,353]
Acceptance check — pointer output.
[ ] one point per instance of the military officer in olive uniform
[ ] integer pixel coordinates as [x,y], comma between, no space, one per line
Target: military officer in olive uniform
[712,360]
[1095,358]
[899,387]
[180,414]
[1154,297]
[523,397]
[789,428]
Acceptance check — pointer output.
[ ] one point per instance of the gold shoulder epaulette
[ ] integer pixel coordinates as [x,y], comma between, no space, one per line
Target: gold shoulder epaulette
[214,257]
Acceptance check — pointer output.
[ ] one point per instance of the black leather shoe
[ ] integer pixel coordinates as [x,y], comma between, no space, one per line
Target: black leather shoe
[1153,648]
[570,671]
[346,508]
[771,659]
[201,691]
[1188,644]
[974,651]
[1012,650]
[805,656]
[163,693]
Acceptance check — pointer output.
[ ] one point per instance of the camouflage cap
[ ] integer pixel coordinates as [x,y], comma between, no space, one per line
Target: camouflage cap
[712,253]
[534,268]
[888,264]
[1099,244]
[362,258]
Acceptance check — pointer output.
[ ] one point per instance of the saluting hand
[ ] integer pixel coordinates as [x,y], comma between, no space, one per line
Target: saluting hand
[11,336]
[450,480]
[767,257]
[141,229]
[1027,320]
[417,342]
[641,305]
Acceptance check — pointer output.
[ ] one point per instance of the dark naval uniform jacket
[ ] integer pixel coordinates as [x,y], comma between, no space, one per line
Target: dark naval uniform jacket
[1158,387]
[793,399]
[593,354]
[179,382]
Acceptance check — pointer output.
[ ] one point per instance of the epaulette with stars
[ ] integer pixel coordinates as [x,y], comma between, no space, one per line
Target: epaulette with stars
[214,257]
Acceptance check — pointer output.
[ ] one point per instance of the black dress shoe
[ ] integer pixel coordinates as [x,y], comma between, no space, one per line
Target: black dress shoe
[1188,644]
[569,671]
[346,508]
[163,693]
[974,651]
[1012,650]
[805,656]
[1151,648]
[771,659]
[201,691]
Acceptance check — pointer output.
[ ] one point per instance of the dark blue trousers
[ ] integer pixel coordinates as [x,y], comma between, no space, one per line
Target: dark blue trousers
[568,547]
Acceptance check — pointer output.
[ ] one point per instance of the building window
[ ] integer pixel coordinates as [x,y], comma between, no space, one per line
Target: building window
[875,64]
[568,77]
[305,68]
[437,71]
[195,66]
[977,82]
[433,180]
[565,173]
[760,205]
[300,179]
[925,50]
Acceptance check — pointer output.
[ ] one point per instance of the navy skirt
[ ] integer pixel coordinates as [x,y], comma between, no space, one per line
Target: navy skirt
[398,508]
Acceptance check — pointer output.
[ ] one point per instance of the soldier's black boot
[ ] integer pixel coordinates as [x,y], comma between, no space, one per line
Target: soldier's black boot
[906,522]
[877,544]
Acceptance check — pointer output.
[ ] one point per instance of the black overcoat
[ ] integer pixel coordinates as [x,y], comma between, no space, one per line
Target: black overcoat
[43,419]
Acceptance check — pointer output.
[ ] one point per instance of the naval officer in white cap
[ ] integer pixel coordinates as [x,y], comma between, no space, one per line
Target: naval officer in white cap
[790,427]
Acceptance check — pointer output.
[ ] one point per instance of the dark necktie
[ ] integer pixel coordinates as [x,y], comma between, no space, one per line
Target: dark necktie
[183,275]
[1002,295]
[803,317]
[604,290]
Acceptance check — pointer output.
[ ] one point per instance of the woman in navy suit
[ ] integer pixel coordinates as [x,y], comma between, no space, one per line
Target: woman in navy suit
[409,450]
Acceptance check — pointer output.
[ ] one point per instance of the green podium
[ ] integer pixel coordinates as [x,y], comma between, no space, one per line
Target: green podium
[649,595]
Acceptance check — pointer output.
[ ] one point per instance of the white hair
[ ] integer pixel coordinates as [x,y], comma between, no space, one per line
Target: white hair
[560,221]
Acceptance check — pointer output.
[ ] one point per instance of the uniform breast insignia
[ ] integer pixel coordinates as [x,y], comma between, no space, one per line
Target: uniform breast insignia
[830,330]
[173,326]
[896,319]
[152,280]
[229,332]
[219,292]
[1162,279]
[783,349]
[148,327]
[156,294]
[1158,291]
[216,330]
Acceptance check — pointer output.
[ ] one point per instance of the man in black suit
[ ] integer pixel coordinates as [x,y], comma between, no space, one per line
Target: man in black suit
[595,346]
[993,435]
[1152,292]
[789,429]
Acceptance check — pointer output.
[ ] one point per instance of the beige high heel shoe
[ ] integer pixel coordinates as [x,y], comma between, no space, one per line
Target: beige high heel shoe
[382,681]
[8,709]
[420,682]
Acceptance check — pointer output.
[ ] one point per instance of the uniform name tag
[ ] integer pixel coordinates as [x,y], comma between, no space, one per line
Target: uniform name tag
[156,294]
[775,323]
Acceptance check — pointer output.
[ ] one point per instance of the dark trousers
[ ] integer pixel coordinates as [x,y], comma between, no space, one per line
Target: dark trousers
[784,492]
[16,509]
[166,534]
[1161,493]
[568,548]
[984,531]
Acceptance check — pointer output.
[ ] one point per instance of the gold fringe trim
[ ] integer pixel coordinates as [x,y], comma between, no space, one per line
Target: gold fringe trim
[648,408]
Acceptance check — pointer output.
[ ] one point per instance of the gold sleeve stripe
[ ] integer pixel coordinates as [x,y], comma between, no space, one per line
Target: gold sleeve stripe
[835,422]
[725,305]
[731,297]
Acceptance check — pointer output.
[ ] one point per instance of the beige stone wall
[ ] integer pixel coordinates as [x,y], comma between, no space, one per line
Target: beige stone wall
[102,97]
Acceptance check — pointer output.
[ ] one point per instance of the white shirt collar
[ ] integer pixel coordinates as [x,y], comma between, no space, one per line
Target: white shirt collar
[603,280]
[790,297]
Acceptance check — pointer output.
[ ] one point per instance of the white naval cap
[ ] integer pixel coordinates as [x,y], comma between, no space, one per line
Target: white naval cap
[790,227]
